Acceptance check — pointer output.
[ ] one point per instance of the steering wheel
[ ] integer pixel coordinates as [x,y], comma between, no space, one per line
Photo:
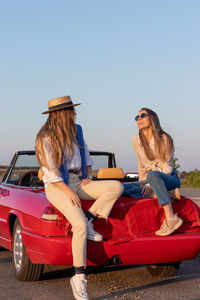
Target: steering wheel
[28,178]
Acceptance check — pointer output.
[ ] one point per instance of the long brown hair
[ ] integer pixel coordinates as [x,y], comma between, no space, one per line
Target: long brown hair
[164,145]
[60,129]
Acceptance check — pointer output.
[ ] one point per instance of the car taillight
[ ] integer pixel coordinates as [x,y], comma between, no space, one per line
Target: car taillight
[49,214]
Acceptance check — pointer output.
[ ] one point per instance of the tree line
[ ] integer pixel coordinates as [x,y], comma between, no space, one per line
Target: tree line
[188,179]
[191,179]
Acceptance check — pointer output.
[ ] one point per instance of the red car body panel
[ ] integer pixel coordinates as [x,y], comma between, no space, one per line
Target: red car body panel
[129,232]
[140,250]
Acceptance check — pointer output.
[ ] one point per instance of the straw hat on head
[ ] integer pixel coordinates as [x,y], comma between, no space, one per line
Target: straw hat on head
[60,103]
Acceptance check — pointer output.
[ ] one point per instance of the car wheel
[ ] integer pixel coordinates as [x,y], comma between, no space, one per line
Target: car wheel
[163,270]
[24,269]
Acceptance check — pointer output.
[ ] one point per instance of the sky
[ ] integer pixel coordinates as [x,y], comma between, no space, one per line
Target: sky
[113,56]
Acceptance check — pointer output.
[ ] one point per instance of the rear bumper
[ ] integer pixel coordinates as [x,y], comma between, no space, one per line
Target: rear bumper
[154,250]
[137,250]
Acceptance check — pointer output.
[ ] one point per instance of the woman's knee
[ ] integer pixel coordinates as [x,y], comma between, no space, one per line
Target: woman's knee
[117,186]
[152,175]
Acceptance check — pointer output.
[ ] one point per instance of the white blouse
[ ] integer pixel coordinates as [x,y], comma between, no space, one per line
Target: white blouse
[50,174]
[145,165]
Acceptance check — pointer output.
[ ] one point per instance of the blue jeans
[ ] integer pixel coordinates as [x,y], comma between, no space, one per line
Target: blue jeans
[160,182]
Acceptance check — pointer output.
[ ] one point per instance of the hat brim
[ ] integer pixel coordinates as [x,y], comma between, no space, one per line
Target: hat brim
[56,109]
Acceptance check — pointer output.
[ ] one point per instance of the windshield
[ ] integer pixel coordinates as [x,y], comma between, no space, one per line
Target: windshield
[27,163]
[24,164]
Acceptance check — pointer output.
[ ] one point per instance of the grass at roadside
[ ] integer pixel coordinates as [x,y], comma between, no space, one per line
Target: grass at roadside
[185,186]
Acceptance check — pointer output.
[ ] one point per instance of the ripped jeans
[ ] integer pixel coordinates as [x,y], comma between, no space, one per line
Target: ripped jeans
[160,182]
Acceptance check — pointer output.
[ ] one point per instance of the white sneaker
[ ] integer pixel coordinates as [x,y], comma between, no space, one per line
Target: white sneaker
[92,235]
[79,287]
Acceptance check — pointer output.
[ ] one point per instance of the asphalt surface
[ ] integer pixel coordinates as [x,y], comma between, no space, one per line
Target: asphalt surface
[129,282]
[193,194]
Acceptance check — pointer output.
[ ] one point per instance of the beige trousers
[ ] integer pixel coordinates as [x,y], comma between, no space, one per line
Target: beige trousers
[105,193]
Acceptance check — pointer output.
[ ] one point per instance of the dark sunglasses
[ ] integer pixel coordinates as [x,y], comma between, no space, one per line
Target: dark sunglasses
[142,116]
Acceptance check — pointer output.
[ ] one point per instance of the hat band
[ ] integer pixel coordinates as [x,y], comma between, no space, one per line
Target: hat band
[61,105]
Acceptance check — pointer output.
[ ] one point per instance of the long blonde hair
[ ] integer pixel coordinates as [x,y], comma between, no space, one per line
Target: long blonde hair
[164,146]
[60,129]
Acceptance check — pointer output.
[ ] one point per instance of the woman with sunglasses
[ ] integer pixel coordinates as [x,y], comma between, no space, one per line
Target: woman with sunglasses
[154,149]
[63,155]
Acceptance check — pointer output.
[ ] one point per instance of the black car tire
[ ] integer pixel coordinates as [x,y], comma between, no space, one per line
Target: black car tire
[24,269]
[163,270]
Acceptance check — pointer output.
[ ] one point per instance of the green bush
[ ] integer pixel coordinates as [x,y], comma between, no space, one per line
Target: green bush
[191,179]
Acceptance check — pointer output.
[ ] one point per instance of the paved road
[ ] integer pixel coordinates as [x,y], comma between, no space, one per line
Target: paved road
[193,194]
[131,282]
[108,283]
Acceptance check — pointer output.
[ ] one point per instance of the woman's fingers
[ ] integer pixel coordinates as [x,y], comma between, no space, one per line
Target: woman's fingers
[86,181]
[76,201]
[71,196]
[146,191]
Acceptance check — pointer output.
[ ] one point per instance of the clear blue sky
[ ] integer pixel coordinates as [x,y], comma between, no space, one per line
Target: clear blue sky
[114,56]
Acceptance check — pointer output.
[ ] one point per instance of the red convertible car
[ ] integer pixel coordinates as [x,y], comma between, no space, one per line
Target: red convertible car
[32,229]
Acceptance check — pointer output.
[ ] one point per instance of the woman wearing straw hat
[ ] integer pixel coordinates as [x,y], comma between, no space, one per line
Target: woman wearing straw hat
[63,155]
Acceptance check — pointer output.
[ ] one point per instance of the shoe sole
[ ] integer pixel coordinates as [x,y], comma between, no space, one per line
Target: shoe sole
[76,296]
[176,226]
